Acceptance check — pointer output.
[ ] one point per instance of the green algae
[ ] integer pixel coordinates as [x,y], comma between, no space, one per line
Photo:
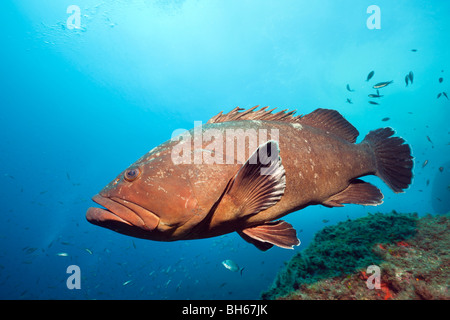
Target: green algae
[342,249]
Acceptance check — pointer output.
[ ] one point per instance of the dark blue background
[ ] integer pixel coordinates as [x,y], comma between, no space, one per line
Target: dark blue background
[79,106]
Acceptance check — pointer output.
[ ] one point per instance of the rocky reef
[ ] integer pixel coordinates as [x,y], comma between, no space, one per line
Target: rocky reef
[412,255]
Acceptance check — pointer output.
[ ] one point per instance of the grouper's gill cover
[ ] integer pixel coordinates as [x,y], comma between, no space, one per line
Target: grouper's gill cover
[315,160]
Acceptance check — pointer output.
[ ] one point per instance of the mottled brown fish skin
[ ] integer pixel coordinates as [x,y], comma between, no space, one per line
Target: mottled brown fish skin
[319,163]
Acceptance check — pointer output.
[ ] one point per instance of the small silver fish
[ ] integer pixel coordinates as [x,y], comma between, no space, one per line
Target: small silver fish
[232,266]
[373,102]
[406,80]
[126,282]
[62,254]
[370,75]
[382,84]
[348,88]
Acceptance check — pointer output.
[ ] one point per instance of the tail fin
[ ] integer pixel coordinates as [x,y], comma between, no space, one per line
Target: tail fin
[393,158]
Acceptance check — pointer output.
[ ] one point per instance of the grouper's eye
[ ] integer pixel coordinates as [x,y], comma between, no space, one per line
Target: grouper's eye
[132,174]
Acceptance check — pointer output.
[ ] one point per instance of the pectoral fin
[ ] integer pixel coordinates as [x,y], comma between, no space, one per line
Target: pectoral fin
[278,233]
[258,185]
[357,192]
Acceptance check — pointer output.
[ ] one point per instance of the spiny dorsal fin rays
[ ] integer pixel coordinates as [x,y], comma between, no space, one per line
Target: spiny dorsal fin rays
[248,111]
[251,114]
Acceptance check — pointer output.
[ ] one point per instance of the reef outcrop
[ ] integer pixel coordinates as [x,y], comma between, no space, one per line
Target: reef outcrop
[412,255]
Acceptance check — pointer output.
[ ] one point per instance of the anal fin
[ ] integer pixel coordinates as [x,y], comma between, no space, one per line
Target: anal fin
[278,233]
[357,192]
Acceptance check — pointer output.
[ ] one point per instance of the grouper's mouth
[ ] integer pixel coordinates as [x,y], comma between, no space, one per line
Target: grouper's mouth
[121,215]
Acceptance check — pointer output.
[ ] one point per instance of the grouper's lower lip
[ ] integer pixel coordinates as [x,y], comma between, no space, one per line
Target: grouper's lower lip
[121,211]
[99,215]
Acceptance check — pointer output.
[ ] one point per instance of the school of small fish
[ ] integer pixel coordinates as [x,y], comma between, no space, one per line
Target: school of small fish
[409,80]
[178,276]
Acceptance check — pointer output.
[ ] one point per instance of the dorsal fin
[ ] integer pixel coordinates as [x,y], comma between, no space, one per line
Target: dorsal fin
[325,119]
[331,121]
[251,114]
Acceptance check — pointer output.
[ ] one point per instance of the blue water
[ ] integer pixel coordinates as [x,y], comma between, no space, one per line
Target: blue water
[80,105]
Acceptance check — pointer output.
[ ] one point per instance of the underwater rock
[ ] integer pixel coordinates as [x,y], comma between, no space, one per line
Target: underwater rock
[411,253]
